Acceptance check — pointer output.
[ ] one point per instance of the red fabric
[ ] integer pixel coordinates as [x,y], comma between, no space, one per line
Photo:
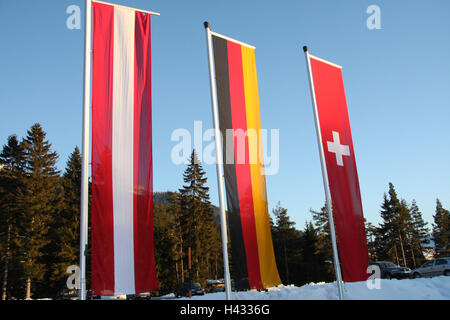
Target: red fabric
[144,257]
[343,179]
[102,192]
[103,251]
[242,164]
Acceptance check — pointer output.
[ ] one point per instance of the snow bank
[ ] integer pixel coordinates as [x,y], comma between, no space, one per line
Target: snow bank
[437,288]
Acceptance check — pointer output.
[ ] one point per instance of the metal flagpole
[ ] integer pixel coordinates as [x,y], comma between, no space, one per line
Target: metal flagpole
[219,159]
[85,151]
[326,185]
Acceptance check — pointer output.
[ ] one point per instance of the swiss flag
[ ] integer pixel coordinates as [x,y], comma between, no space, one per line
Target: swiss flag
[337,145]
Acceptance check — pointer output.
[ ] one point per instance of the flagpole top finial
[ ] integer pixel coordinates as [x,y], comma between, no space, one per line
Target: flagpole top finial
[206,24]
[305,48]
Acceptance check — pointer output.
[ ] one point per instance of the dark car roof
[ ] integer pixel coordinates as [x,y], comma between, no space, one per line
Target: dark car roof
[186,284]
[383,264]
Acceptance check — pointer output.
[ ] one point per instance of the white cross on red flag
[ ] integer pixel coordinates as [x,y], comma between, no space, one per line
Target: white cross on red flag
[337,144]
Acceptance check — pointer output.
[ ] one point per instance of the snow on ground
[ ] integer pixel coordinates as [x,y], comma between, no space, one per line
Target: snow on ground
[437,288]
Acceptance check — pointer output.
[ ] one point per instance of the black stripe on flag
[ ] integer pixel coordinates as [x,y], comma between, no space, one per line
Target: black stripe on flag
[238,256]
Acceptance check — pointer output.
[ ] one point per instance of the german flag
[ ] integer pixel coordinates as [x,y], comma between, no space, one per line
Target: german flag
[253,259]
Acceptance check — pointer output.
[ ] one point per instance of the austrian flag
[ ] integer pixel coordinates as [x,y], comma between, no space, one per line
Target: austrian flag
[122,207]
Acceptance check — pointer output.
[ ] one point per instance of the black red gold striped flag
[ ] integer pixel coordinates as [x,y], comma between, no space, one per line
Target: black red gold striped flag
[253,259]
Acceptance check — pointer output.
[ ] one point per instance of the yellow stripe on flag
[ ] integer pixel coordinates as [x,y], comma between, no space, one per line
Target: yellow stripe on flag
[268,267]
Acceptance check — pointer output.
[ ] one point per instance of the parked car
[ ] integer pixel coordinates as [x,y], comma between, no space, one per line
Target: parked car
[182,290]
[432,268]
[140,296]
[67,294]
[215,285]
[390,270]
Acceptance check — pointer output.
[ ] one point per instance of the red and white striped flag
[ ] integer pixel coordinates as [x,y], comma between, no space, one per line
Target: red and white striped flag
[122,206]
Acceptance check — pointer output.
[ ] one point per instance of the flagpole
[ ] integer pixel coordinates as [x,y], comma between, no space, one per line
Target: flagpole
[85,151]
[219,159]
[326,184]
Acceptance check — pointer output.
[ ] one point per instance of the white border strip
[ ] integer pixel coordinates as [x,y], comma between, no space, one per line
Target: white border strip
[231,39]
[125,7]
[325,61]
[122,150]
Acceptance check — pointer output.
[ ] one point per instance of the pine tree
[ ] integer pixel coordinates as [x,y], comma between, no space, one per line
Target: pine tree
[388,230]
[419,224]
[199,232]
[65,229]
[322,227]
[38,202]
[372,244]
[314,264]
[165,240]
[397,232]
[285,240]
[441,230]
[175,203]
[418,233]
[405,231]
[11,177]
[324,247]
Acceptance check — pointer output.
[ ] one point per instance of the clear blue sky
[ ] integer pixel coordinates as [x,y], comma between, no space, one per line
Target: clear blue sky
[397,83]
